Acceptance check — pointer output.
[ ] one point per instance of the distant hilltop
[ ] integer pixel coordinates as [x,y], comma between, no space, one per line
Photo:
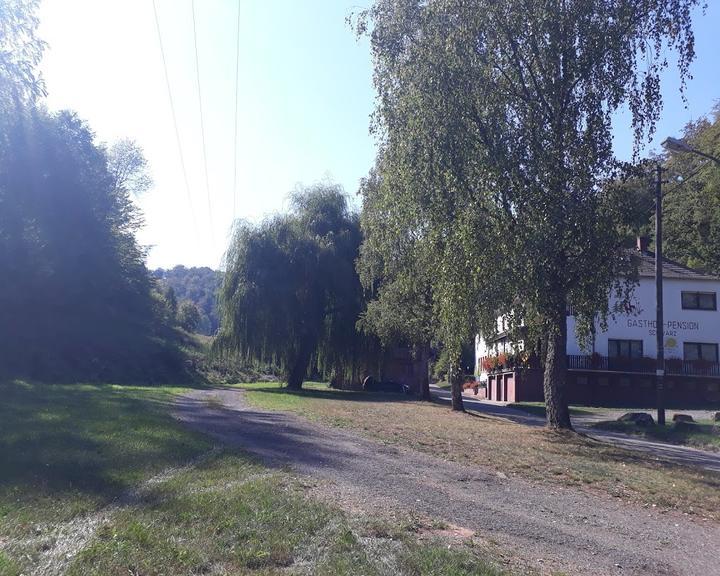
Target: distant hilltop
[199,286]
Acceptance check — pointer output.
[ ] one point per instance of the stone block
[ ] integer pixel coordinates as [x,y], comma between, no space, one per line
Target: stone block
[639,418]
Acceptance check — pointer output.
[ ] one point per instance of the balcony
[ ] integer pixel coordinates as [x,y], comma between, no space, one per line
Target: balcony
[644,365]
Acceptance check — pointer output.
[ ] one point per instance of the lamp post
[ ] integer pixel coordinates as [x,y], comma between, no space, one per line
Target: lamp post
[672,145]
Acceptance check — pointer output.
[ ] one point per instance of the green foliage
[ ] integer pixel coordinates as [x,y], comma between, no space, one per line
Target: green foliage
[79,303]
[171,303]
[692,199]
[76,299]
[290,293]
[188,316]
[199,286]
[495,125]
[20,53]
[128,167]
[392,270]
[394,274]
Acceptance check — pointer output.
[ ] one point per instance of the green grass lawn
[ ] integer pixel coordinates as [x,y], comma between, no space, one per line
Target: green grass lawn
[100,480]
[703,434]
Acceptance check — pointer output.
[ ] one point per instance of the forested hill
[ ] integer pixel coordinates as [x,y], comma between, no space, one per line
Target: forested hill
[199,286]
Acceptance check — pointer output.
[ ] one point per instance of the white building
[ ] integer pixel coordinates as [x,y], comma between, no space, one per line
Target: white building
[692,328]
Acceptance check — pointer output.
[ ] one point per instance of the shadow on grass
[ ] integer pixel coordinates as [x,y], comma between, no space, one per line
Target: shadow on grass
[92,439]
[695,434]
[333,394]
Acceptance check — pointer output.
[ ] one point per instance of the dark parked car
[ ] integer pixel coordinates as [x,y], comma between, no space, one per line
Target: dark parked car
[370,384]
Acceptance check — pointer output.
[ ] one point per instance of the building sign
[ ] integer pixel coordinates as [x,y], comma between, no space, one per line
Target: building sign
[671,326]
[672,348]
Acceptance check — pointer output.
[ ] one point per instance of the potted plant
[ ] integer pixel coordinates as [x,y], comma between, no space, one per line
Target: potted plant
[501,361]
[487,364]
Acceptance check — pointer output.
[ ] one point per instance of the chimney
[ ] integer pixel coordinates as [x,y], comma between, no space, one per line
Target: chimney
[642,243]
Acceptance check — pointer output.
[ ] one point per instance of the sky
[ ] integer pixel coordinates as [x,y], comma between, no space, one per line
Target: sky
[304,101]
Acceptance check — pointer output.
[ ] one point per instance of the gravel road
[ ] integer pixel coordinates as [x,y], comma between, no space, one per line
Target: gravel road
[549,528]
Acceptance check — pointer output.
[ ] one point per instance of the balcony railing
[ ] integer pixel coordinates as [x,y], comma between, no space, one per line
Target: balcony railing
[644,365]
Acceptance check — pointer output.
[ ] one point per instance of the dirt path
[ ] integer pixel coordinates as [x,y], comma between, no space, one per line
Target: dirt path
[551,528]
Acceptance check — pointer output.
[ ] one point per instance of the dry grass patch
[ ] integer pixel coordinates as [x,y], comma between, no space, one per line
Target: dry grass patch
[512,449]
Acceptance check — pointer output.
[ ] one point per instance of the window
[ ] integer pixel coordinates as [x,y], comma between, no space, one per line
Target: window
[625,348]
[700,351]
[699,301]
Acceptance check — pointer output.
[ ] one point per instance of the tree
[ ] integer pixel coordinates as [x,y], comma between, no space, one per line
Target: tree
[400,309]
[20,53]
[200,286]
[128,167]
[188,316]
[495,125]
[78,299]
[290,294]
[692,199]
[171,303]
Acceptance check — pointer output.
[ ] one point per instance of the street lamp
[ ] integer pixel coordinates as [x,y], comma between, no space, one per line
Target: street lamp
[672,145]
[676,145]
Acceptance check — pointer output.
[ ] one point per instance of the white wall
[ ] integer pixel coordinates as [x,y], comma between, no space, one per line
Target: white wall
[680,325]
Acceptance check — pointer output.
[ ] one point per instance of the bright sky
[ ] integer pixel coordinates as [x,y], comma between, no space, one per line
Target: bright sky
[304,102]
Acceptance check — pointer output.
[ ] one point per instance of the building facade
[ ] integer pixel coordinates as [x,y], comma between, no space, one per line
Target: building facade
[618,367]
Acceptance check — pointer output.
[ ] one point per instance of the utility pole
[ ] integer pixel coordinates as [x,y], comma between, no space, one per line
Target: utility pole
[659,321]
[672,145]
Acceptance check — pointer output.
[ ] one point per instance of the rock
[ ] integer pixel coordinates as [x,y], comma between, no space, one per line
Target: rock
[639,418]
[685,426]
[683,418]
[717,417]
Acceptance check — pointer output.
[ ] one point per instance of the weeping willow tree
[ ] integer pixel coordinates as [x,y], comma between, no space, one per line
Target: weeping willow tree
[290,294]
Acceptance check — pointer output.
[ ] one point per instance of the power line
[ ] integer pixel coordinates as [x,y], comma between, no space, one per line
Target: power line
[202,126]
[237,79]
[175,124]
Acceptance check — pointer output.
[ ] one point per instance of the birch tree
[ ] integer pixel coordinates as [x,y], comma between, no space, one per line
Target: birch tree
[495,118]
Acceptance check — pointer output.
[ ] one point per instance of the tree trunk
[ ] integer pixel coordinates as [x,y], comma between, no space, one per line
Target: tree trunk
[425,367]
[296,376]
[456,382]
[555,376]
